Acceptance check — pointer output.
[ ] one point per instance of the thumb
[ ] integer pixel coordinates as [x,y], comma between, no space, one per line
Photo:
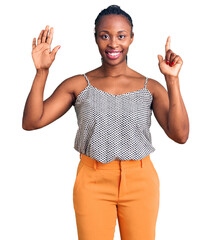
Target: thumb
[160,58]
[54,51]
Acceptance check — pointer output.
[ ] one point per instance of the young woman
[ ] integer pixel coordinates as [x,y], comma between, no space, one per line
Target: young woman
[113,103]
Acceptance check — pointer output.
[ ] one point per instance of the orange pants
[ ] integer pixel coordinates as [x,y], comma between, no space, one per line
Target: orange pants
[128,190]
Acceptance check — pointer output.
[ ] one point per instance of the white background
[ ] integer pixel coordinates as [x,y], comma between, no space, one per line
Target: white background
[38,168]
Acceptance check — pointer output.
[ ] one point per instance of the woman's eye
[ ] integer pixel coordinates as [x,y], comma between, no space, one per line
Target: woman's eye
[104,36]
[122,36]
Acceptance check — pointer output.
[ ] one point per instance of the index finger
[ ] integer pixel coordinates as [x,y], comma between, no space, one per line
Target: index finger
[167,47]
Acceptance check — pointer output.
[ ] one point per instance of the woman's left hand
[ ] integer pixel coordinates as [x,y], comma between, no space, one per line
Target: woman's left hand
[171,65]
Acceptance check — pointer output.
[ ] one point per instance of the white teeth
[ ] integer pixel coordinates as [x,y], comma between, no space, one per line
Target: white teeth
[113,54]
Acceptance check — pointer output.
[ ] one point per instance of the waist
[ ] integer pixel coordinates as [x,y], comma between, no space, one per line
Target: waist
[115,164]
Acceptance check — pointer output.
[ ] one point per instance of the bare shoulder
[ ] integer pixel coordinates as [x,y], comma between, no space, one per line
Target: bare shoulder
[74,84]
[155,87]
[73,81]
[77,83]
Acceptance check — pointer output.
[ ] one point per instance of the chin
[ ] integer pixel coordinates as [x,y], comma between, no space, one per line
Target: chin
[113,62]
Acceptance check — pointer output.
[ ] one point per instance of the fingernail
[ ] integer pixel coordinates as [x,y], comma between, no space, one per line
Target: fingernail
[167,62]
[59,47]
[172,63]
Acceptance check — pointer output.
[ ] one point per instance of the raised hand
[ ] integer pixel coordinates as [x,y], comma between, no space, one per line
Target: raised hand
[41,54]
[171,65]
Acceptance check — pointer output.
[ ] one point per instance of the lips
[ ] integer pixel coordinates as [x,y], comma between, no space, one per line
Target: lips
[113,54]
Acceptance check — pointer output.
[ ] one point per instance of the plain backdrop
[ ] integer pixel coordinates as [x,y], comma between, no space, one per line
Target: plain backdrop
[38,168]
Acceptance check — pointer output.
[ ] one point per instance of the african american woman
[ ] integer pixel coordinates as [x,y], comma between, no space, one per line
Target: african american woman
[115,176]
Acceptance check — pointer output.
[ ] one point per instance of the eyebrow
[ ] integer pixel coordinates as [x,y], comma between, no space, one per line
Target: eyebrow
[108,32]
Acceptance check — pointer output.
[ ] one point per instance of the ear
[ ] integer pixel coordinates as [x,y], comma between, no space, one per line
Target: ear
[132,38]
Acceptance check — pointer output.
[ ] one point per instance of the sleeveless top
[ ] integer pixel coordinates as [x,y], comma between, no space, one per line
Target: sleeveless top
[113,127]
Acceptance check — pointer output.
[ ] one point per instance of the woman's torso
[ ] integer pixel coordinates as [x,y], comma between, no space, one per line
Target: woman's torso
[114,117]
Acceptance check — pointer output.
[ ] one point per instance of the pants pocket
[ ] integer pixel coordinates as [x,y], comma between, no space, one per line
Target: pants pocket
[77,179]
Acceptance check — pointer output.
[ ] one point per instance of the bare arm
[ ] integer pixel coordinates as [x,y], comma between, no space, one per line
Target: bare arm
[39,113]
[34,104]
[170,111]
[168,107]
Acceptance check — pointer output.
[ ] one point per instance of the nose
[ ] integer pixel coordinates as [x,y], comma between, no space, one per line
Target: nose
[113,43]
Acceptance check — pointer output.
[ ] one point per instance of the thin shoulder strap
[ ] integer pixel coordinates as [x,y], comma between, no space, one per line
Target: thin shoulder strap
[86,79]
[146,82]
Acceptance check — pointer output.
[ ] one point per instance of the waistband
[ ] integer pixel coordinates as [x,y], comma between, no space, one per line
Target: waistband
[115,164]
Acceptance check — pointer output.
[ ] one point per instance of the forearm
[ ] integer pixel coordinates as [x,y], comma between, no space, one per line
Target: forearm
[178,123]
[34,104]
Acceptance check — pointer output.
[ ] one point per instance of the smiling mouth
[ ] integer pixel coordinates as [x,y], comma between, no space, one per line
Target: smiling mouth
[113,55]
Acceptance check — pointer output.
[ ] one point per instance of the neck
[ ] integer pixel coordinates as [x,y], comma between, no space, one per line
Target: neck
[114,70]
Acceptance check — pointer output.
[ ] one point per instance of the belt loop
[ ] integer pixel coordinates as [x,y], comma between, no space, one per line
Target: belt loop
[141,162]
[95,163]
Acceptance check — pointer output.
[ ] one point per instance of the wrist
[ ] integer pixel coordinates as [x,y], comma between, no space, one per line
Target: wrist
[42,71]
[171,79]
[172,83]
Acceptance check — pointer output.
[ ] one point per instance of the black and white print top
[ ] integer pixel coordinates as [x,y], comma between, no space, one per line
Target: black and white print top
[113,127]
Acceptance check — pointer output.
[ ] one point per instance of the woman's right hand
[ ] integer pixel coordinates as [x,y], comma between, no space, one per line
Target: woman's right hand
[42,55]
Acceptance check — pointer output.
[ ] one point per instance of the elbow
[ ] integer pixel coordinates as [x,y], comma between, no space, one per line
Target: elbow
[24,126]
[180,137]
[27,127]
[184,134]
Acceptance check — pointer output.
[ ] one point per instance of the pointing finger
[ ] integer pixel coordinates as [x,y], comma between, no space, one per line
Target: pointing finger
[167,47]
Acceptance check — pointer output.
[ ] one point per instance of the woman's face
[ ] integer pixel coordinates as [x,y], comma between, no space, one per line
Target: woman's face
[113,37]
